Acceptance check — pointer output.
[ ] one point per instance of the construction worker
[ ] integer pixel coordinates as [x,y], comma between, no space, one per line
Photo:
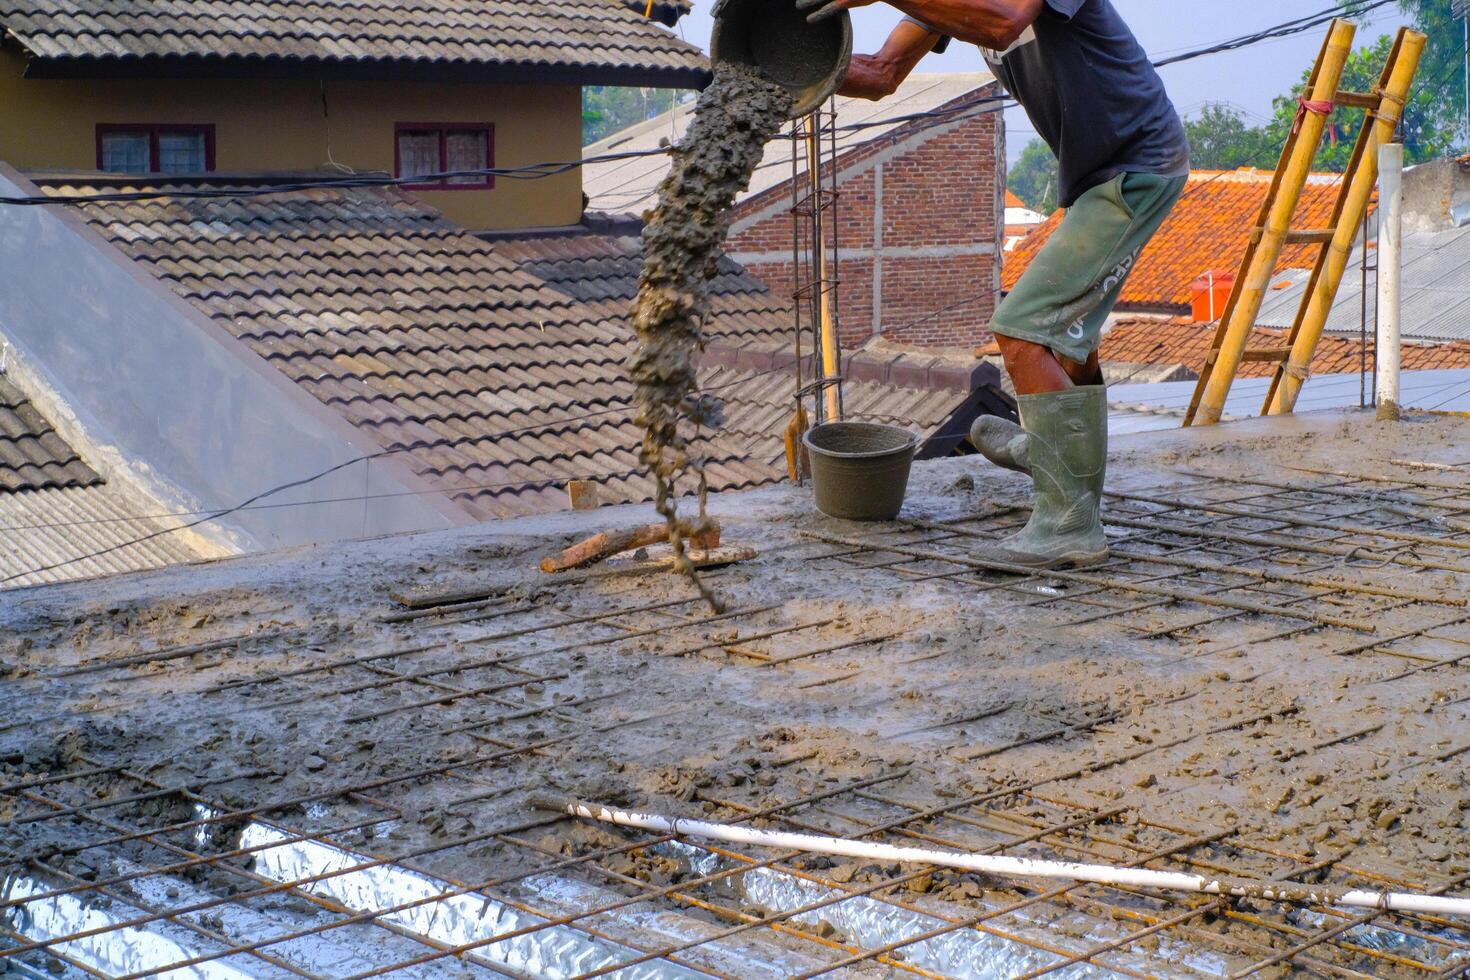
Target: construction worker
[1123,158]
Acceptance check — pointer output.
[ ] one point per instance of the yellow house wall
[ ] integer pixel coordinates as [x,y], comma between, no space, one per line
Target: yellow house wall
[278,124]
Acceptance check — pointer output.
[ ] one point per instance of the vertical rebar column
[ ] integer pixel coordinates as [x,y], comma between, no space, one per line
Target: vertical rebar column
[830,404]
[1390,268]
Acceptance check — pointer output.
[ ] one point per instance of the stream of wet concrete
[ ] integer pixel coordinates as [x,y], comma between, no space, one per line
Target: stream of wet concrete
[734,119]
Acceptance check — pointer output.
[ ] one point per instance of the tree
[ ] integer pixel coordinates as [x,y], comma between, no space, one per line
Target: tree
[1219,139]
[1441,79]
[1428,130]
[1034,177]
[606,109]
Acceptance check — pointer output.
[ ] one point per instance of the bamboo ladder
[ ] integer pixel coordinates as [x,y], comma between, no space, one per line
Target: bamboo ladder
[1382,110]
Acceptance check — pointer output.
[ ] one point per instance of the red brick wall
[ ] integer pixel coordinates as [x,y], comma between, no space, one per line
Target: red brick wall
[920,223]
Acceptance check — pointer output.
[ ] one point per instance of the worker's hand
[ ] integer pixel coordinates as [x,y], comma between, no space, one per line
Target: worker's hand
[868,77]
[820,10]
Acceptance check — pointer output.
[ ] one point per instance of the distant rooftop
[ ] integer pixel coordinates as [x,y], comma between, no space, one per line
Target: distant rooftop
[55,509]
[32,455]
[495,367]
[1436,290]
[628,186]
[594,41]
[1208,230]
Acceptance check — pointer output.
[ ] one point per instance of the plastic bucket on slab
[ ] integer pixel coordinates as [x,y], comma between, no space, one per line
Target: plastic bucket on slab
[860,470]
[773,37]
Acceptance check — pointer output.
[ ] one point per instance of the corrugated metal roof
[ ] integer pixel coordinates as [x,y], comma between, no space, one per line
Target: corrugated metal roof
[1178,341]
[1436,290]
[629,185]
[567,34]
[47,527]
[1143,408]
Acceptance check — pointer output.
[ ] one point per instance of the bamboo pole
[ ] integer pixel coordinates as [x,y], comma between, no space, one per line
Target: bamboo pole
[995,864]
[1296,169]
[1404,63]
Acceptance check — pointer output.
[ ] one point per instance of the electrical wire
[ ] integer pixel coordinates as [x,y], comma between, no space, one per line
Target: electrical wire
[537,171]
[1287,29]
[249,503]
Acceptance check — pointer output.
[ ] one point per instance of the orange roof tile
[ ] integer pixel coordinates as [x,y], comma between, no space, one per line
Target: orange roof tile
[1154,341]
[1208,229]
[1012,201]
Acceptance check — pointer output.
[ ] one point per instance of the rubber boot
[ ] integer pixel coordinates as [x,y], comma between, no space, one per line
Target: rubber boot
[1067,436]
[1003,442]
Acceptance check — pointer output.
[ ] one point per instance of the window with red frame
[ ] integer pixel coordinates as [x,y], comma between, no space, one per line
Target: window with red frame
[164,148]
[436,148]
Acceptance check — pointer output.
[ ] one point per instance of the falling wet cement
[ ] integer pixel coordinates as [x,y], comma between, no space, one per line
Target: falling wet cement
[734,119]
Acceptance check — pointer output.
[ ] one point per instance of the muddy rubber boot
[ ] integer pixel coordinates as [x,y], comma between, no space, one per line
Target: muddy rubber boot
[1067,436]
[1003,442]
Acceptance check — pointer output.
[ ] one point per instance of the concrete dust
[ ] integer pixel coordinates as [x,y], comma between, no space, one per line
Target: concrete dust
[734,119]
[1261,727]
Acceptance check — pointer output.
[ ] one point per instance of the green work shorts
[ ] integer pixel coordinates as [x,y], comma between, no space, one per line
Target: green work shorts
[1064,297]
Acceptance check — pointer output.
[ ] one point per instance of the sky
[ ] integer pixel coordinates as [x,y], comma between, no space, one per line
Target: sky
[1247,79]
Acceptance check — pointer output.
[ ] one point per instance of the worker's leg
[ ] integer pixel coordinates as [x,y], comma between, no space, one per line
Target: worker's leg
[1049,329]
[1034,368]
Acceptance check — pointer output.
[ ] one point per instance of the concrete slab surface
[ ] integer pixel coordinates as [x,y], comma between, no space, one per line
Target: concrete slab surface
[255,764]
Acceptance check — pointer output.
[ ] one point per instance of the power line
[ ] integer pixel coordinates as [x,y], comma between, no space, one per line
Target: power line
[537,171]
[1287,29]
[250,503]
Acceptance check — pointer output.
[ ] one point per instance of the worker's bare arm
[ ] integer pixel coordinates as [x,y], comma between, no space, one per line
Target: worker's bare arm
[995,24]
[876,76]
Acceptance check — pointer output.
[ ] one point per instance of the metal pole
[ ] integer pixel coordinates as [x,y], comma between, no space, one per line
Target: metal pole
[1390,270]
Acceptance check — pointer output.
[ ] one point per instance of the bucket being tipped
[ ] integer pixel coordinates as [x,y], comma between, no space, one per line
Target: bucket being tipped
[860,470]
[773,37]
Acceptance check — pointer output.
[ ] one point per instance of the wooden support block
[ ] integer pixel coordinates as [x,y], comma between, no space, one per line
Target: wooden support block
[583,495]
[1359,100]
[1272,354]
[609,543]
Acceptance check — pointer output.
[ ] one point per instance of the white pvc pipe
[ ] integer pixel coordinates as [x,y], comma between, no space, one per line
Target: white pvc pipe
[1390,275]
[1025,867]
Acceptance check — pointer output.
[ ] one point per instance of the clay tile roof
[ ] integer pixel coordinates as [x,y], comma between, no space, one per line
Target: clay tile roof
[445,345]
[603,40]
[1012,201]
[1156,341]
[32,455]
[1208,230]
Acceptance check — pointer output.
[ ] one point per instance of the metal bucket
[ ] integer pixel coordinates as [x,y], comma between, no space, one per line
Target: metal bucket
[773,37]
[860,469]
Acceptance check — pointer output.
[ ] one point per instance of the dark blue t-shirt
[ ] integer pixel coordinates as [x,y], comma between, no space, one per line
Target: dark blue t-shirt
[1093,96]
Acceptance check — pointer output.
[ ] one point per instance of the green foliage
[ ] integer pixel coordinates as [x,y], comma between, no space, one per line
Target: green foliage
[1428,131]
[1034,177]
[1433,120]
[1219,139]
[1441,80]
[606,109]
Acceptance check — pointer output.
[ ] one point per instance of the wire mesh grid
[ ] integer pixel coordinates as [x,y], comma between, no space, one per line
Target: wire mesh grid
[114,871]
